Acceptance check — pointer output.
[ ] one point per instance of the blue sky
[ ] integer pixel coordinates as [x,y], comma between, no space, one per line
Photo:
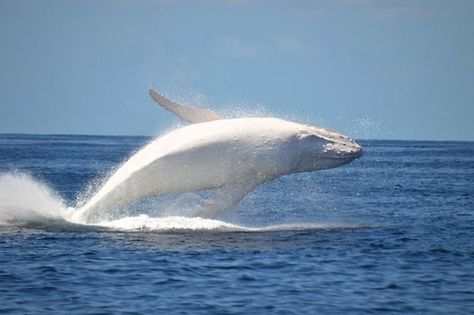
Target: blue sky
[369,68]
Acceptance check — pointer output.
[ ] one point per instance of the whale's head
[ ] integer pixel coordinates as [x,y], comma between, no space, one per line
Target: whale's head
[319,148]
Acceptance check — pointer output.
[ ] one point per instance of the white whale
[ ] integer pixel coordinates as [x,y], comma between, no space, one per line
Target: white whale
[231,156]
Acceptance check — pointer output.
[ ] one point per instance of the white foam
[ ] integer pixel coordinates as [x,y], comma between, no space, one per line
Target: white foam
[146,223]
[23,199]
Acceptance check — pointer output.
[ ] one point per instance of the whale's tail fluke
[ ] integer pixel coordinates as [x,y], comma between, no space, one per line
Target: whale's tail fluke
[187,113]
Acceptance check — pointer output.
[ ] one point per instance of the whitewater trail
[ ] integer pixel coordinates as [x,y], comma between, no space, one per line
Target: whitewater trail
[27,202]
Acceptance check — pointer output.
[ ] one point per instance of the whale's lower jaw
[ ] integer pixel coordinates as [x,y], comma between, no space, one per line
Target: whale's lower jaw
[310,163]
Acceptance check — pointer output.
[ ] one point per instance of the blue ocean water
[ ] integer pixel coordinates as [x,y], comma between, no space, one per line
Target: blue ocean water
[392,232]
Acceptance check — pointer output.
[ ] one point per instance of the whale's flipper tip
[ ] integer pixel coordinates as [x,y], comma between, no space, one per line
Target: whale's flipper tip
[187,113]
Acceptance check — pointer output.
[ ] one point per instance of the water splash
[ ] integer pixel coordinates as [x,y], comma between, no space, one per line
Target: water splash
[28,202]
[24,199]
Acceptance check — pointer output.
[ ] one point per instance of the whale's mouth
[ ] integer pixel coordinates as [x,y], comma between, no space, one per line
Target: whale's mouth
[314,162]
[340,158]
[349,155]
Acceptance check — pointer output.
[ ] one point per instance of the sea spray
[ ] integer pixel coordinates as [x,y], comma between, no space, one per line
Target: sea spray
[25,199]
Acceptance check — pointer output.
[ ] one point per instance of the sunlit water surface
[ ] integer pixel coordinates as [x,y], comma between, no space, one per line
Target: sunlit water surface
[392,232]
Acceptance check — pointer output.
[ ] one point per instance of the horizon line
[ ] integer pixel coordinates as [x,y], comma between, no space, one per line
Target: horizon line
[149,136]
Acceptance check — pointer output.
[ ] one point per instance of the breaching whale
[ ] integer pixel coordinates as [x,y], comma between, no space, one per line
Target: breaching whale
[232,156]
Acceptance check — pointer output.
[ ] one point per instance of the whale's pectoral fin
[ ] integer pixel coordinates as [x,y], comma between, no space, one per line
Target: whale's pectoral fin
[225,198]
[187,113]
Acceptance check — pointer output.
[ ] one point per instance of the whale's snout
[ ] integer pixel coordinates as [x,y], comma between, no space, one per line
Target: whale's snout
[342,149]
[323,148]
[336,145]
[359,151]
